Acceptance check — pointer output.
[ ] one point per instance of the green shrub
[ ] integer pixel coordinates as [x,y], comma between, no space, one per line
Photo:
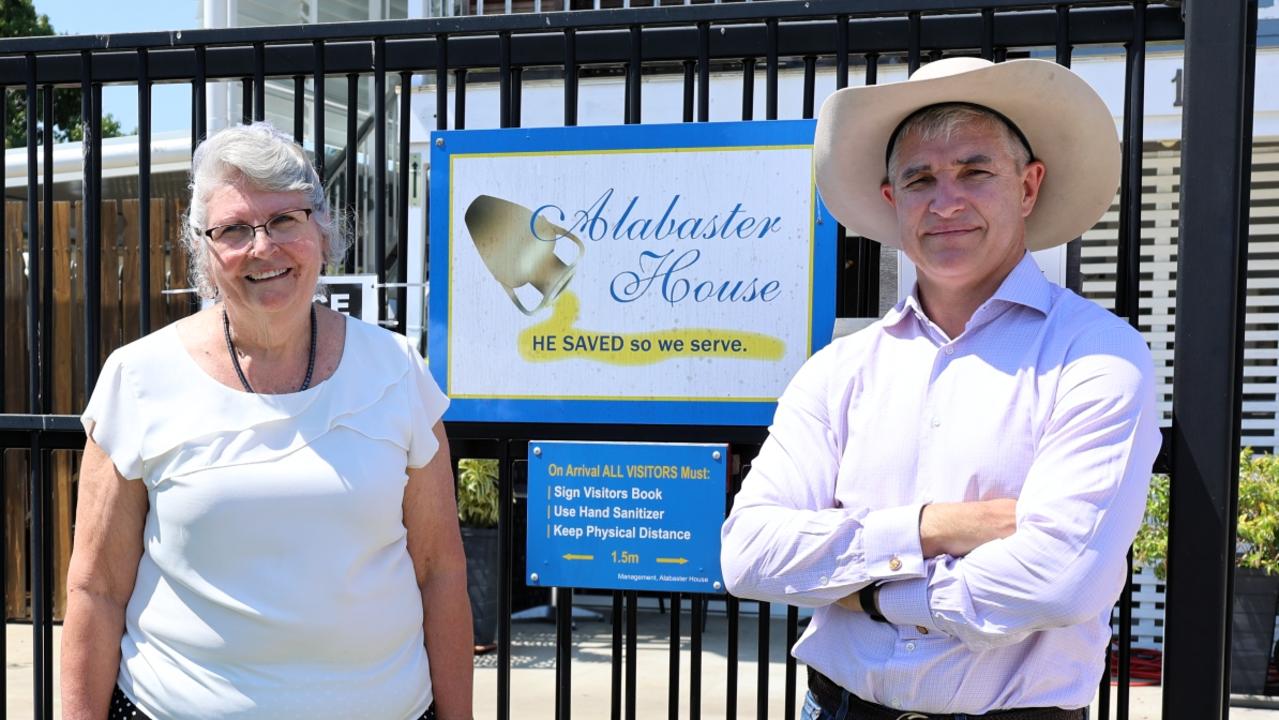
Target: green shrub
[1257,534]
[477,492]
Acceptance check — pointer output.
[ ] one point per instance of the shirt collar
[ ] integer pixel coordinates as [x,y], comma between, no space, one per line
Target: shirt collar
[1025,285]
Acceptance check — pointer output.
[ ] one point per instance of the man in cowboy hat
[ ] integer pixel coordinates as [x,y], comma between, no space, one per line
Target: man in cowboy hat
[954,488]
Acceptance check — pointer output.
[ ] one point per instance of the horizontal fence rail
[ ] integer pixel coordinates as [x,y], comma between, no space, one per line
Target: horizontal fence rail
[83,276]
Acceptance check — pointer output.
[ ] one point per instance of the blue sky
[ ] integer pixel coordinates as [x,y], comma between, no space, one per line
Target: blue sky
[171,105]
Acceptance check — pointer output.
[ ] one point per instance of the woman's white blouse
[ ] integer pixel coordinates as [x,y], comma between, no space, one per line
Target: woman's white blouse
[275,581]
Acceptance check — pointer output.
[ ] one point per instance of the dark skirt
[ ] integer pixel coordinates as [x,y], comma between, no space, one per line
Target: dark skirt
[122,708]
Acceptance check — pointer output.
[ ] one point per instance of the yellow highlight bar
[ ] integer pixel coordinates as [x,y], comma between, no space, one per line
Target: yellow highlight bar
[556,338]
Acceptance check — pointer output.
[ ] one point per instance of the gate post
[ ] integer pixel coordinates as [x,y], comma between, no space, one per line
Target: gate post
[1207,379]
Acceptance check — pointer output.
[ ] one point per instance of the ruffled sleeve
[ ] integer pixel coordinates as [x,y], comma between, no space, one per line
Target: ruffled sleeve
[113,418]
[428,404]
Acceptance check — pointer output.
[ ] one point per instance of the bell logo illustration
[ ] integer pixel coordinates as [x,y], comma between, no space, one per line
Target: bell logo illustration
[519,251]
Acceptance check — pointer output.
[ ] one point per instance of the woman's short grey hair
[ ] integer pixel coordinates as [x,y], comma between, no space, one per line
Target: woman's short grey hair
[939,122]
[262,158]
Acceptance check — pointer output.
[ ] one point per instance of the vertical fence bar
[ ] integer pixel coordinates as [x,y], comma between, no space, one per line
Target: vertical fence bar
[748,89]
[504,79]
[672,696]
[41,623]
[770,69]
[517,92]
[46,259]
[318,108]
[442,81]
[246,100]
[1074,249]
[1208,368]
[761,687]
[95,196]
[144,191]
[632,621]
[379,176]
[988,34]
[199,97]
[4,312]
[459,98]
[1128,278]
[34,386]
[570,77]
[633,77]
[845,298]
[402,215]
[810,81]
[349,171]
[259,81]
[792,669]
[90,244]
[703,71]
[506,560]
[912,55]
[615,697]
[41,652]
[690,89]
[866,251]
[299,108]
[734,621]
[695,621]
[563,653]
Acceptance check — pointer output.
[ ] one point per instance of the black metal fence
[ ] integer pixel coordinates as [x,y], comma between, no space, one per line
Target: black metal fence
[692,41]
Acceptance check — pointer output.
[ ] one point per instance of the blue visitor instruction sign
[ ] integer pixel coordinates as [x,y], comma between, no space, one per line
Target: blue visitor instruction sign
[626,516]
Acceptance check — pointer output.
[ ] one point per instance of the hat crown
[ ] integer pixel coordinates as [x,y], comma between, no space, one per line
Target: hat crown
[949,66]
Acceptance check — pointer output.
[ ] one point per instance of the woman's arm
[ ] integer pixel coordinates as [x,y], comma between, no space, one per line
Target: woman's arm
[435,546]
[110,516]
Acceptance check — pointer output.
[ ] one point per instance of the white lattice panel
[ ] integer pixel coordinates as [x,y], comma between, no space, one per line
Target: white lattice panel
[1160,187]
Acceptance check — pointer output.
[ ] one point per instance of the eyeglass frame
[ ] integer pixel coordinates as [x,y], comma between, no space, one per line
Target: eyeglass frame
[208,233]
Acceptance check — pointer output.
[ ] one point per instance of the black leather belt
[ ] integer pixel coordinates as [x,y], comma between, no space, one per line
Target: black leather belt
[830,696]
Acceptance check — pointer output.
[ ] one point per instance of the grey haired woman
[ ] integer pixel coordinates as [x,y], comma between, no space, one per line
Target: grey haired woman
[266,524]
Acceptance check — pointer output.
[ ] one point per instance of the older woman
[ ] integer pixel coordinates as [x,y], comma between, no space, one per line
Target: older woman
[266,524]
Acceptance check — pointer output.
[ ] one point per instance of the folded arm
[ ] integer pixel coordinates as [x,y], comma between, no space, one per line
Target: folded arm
[1079,509]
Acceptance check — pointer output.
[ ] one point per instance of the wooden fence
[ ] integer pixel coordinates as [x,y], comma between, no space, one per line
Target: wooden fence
[120,323]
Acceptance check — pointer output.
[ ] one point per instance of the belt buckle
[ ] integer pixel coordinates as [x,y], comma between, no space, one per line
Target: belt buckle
[912,716]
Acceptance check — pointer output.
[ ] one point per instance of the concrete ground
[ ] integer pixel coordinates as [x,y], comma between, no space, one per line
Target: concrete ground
[533,673]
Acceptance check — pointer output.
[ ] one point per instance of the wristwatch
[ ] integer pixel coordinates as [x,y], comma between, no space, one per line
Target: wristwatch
[869,598]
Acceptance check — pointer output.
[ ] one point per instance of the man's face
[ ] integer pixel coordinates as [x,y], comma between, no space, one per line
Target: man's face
[962,203]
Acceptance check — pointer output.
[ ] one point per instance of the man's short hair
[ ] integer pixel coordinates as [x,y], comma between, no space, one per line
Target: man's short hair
[942,120]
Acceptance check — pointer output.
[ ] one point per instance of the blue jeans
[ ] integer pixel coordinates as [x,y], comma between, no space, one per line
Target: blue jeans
[813,711]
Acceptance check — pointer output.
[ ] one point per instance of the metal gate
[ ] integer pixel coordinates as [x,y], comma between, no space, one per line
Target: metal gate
[688,40]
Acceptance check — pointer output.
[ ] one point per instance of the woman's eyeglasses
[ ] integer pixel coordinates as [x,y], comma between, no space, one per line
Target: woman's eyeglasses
[282,229]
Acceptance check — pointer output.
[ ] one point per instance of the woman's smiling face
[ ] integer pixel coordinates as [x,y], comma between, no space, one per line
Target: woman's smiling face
[263,277]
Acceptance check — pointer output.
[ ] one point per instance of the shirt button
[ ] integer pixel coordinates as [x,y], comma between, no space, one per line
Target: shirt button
[950,350]
[823,580]
[910,647]
[936,422]
[922,630]
[895,564]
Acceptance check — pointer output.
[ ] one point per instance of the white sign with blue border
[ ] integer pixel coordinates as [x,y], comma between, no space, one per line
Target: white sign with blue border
[626,516]
[656,274]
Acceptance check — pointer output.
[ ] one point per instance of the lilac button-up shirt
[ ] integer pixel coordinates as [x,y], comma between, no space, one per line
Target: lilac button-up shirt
[1045,397]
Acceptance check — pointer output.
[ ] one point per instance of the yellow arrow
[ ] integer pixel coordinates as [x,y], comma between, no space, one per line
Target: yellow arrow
[571,556]
[673,561]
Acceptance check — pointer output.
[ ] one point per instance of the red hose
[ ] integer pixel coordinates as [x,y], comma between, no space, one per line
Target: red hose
[1145,666]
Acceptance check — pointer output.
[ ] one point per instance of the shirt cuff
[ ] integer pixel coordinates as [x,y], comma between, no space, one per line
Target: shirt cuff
[890,539]
[906,603]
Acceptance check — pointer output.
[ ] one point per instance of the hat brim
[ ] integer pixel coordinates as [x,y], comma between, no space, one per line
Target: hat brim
[1065,120]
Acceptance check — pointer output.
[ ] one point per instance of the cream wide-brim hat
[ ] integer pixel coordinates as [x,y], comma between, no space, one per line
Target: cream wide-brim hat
[1065,121]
